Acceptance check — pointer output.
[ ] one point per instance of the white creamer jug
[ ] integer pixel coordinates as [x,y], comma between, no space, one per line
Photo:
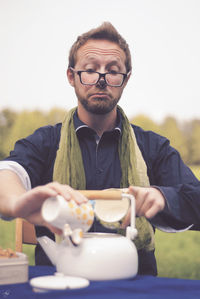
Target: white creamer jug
[58,212]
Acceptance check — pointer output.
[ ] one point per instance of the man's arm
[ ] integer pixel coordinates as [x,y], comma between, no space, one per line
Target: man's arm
[11,189]
[15,201]
[172,209]
[175,181]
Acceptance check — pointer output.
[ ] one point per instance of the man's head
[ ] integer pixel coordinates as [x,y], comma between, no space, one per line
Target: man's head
[107,32]
[99,68]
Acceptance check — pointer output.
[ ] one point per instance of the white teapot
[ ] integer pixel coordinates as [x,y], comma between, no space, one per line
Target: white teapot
[99,256]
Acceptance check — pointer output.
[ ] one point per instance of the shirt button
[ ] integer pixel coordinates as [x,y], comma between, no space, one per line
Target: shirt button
[99,171]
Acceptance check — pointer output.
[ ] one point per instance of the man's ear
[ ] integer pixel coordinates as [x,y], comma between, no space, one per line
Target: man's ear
[70,76]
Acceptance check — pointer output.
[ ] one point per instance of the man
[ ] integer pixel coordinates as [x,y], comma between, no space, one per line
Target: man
[96,148]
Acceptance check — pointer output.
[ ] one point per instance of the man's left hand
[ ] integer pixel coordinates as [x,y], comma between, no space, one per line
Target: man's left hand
[148,202]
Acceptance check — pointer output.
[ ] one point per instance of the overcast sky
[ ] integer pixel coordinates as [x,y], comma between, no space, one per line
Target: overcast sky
[163,35]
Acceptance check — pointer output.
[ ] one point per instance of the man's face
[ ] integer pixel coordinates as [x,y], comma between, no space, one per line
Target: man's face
[100,56]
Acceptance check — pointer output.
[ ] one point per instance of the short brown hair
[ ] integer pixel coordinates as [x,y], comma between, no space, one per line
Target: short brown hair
[105,31]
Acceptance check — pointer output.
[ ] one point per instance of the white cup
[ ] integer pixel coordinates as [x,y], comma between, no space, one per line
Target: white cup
[58,212]
[111,211]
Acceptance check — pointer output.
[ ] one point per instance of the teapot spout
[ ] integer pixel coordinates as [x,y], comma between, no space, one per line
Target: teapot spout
[50,248]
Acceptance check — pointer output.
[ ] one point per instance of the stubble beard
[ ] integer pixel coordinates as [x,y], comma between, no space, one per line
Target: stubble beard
[99,105]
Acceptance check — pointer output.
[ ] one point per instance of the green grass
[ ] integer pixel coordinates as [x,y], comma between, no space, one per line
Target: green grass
[7,239]
[177,254]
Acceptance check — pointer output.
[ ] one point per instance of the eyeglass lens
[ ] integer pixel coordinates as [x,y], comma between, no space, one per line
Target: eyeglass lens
[93,77]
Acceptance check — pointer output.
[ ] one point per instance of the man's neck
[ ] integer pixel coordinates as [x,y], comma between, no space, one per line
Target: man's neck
[98,122]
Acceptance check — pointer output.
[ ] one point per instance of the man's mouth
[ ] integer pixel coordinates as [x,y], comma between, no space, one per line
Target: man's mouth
[100,95]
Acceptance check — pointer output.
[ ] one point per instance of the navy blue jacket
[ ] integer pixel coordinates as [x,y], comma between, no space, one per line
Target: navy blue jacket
[165,168]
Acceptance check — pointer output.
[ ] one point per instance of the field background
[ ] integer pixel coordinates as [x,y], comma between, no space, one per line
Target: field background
[177,254]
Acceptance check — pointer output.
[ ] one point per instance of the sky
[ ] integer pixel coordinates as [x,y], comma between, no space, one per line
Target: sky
[163,36]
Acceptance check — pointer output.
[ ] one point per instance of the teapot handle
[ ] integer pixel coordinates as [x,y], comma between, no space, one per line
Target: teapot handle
[113,194]
[131,231]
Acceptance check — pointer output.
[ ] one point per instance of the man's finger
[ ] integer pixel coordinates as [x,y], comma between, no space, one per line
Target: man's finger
[134,190]
[151,212]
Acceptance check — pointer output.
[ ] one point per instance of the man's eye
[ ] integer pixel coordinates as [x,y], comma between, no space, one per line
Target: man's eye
[113,72]
[90,71]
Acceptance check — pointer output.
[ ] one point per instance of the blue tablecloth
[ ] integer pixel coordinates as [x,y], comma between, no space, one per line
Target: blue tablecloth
[140,287]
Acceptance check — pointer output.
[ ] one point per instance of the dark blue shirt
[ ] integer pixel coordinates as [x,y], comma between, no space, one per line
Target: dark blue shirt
[165,168]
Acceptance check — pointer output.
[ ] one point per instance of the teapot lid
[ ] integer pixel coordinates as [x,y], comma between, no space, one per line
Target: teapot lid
[59,281]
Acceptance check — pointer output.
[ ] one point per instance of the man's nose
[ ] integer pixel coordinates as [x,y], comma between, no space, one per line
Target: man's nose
[102,83]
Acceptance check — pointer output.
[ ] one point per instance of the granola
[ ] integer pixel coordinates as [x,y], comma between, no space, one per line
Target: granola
[7,253]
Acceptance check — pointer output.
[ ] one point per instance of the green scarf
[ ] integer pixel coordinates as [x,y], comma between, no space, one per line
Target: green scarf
[69,169]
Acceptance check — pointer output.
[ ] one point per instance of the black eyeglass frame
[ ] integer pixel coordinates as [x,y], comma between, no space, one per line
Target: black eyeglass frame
[101,75]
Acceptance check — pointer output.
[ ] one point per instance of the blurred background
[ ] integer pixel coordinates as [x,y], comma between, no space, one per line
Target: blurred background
[163,36]
[162,95]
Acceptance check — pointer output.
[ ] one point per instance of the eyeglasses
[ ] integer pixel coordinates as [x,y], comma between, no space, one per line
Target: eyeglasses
[90,77]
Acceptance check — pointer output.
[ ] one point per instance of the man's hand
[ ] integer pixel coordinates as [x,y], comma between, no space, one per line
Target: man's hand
[148,202]
[28,205]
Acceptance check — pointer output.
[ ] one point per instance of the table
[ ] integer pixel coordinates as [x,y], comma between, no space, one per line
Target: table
[139,287]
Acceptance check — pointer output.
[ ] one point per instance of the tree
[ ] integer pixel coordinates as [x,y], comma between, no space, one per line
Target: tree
[145,123]
[178,140]
[55,115]
[194,142]
[26,123]
[7,118]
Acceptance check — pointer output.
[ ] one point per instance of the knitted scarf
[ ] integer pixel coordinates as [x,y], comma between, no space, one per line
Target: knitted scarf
[69,169]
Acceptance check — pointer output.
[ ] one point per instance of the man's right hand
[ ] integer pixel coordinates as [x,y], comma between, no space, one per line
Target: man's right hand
[15,201]
[28,205]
